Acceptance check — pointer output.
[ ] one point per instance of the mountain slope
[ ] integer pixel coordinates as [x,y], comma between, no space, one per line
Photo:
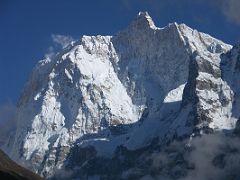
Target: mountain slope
[10,170]
[104,93]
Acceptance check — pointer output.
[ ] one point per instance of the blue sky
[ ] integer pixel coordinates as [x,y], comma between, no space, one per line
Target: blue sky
[27,27]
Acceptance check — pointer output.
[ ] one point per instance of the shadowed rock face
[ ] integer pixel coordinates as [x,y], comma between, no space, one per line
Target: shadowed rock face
[9,170]
[107,97]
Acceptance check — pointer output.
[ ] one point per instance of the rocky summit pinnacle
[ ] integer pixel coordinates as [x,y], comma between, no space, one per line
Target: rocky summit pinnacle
[107,96]
[143,19]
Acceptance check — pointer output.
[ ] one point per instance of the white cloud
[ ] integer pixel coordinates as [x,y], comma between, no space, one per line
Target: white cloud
[209,156]
[62,40]
[50,52]
[59,42]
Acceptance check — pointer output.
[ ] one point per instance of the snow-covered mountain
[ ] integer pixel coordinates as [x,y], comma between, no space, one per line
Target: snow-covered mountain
[105,93]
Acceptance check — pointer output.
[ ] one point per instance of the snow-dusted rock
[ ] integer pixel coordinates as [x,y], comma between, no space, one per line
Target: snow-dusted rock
[106,91]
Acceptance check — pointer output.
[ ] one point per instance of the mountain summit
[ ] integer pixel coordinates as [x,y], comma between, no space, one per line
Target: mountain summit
[103,95]
[143,19]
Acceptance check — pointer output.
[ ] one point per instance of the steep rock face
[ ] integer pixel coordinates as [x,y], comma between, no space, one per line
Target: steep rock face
[212,92]
[207,98]
[127,89]
[79,94]
[230,66]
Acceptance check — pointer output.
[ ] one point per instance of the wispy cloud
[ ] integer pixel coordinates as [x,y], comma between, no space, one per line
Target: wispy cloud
[228,8]
[62,40]
[50,52]
[59,42]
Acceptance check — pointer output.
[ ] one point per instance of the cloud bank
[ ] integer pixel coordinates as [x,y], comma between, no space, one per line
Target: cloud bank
[208,157]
